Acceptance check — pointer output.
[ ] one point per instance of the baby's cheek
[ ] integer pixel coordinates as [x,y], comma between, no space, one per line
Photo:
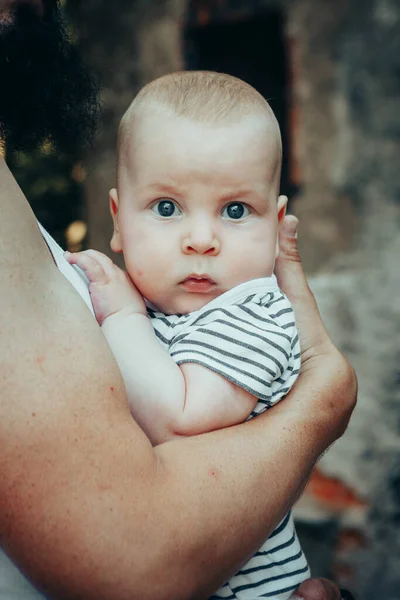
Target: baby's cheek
[257,260]
[151,284]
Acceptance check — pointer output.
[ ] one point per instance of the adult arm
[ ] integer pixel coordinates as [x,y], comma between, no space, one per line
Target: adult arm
[88,509]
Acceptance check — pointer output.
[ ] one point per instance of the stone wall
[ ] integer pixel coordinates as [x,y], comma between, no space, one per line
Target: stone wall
[360,298]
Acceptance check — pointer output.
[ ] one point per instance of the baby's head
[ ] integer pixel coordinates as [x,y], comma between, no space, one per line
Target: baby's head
[196,209]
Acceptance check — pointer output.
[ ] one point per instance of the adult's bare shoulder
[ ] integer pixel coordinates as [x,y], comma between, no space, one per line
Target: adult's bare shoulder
[44,322]
[69,445]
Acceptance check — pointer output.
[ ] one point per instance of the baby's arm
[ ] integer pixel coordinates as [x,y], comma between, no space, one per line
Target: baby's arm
[165,399]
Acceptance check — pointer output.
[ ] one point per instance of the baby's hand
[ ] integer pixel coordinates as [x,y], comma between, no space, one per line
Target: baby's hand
[110,288]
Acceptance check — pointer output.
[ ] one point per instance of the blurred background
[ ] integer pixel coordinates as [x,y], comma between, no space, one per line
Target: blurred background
[331,72]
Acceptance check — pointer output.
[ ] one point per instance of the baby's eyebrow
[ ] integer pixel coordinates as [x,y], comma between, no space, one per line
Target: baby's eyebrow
[242,194]
[170,189]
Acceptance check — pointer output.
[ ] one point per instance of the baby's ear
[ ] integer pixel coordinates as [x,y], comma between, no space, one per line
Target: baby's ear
[116,245]
[281,208]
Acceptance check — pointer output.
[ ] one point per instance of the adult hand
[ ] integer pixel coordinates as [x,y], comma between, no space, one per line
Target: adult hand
[332,377]
[320,589]
[319,357]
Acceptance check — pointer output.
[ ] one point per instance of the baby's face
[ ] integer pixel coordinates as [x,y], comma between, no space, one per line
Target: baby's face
[197,209]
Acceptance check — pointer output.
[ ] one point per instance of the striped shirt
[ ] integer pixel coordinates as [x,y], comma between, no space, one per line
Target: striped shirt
[248,335]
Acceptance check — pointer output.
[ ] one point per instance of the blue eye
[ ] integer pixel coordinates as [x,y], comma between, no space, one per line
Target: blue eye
[166,208]
[235,211]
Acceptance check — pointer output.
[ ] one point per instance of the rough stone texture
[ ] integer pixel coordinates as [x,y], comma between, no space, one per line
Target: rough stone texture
[361,311]
[360,301]
[326,213]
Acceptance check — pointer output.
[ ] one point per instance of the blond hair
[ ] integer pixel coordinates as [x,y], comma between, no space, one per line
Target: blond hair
[205,96]
[202,96]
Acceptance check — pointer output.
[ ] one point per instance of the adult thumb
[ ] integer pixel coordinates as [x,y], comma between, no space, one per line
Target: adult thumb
[288,267]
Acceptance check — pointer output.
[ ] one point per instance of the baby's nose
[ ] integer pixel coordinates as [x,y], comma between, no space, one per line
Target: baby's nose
[201,240]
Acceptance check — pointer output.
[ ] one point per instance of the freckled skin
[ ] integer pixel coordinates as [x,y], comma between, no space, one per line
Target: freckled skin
[40,362]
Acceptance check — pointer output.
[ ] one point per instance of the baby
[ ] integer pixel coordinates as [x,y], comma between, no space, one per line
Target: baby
[202,334]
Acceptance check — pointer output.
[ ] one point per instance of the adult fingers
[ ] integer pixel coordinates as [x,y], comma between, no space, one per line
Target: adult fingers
[317,589]
[293,282]
[288,267]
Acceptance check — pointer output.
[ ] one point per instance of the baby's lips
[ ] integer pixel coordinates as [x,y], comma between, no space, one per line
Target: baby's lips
[198,277]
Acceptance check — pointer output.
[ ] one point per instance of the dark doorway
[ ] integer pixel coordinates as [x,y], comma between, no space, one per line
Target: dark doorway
[252,49]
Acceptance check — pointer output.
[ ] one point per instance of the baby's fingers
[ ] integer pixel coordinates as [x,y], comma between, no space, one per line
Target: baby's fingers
[89,262]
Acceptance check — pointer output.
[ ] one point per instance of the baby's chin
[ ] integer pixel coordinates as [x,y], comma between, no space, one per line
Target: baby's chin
[181,306]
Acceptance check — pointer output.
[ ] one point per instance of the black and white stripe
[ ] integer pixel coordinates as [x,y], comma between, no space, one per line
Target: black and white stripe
[248,335]
[275,570]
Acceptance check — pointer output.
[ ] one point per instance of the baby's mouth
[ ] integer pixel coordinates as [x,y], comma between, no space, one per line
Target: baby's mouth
[198,283]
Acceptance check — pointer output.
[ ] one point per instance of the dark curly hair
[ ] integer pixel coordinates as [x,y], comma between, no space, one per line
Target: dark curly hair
[48,94]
